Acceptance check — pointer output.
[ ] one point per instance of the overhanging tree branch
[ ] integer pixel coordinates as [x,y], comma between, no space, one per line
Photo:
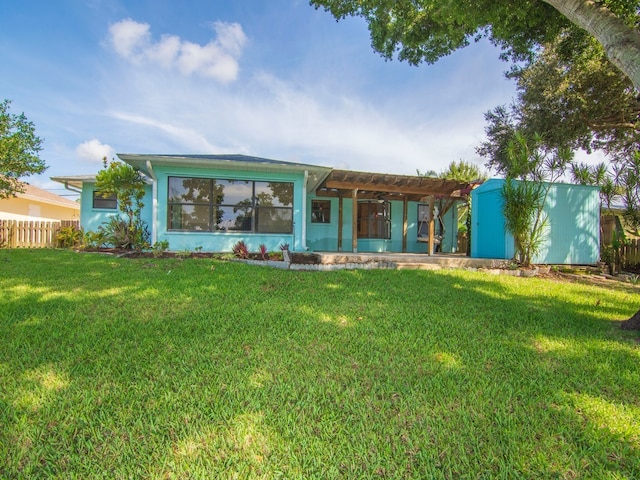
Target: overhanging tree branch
[621,42]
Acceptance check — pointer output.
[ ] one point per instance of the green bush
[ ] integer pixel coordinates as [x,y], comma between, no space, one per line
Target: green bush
[118,233]
[69,237]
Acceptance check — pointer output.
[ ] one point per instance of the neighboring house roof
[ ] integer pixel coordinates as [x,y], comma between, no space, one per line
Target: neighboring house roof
[32,192]
[36,204]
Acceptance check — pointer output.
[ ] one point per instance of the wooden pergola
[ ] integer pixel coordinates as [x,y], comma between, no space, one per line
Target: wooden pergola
[388,187]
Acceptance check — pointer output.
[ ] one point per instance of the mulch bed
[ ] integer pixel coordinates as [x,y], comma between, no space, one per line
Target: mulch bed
[299,258]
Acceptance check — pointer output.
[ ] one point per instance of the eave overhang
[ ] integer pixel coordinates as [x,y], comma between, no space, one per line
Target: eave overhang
[315,174]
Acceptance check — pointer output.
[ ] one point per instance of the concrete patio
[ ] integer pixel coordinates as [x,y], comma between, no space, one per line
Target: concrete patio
[408,260]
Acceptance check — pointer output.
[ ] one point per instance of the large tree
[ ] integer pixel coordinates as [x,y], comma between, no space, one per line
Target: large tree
[463,171]
[426,30]
[575,100]
[19,147]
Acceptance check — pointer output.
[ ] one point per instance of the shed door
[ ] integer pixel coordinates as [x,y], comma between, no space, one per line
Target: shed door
[489,228]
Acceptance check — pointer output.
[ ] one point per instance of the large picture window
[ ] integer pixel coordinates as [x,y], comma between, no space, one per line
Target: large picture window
[215,205]
[374,219]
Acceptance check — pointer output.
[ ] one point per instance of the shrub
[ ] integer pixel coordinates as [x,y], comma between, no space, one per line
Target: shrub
[276,256]
[159,248]
[120,234]
[241,250]
[93,240]
[69,237]
[264,253]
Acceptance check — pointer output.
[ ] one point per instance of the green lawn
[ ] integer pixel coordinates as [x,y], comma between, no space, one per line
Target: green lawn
[197,368]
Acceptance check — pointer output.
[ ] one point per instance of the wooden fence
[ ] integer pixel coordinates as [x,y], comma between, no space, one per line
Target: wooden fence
[31,234]
[630,253]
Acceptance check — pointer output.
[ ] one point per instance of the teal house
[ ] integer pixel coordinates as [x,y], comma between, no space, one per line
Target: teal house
[571,236]
[210,202]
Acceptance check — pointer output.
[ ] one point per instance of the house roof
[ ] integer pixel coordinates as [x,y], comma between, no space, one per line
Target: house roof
[389,186]
[146,162]
[75,181]
[34,193]
[324,180]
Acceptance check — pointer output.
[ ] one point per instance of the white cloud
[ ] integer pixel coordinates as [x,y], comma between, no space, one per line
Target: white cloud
[218,59]
[297,121]
[188,137]
[294,116]
[94,151]
[230,37]
[130,38]
[165,51]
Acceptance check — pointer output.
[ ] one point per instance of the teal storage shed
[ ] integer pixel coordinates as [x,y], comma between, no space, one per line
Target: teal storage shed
[572,234]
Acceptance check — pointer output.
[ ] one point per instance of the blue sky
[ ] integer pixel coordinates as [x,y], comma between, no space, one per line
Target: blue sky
[275,78]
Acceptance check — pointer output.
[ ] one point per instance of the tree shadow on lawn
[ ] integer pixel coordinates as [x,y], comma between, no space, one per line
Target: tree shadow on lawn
[416,373]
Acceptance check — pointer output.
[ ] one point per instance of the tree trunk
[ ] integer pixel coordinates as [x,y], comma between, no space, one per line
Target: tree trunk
[621,42]
[633,323]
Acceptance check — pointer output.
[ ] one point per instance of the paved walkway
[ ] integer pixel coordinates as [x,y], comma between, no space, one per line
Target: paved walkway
[411,260]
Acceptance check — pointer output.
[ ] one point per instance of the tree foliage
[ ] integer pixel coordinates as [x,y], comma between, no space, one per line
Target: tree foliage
[598,175]
[629,182]
[463,171]
[19,148]
[425,30]
[573,100]
[529,171]
[127,183]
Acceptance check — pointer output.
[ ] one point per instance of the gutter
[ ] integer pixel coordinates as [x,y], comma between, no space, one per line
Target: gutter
[304,210]
[154,203]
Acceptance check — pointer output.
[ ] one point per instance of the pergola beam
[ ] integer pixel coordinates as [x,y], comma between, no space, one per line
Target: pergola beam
[378,183]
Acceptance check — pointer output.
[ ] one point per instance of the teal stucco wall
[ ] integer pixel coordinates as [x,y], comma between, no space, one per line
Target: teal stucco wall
[224,241]
[91,218]
[323,237]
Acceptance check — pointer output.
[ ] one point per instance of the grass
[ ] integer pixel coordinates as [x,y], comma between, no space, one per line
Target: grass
[196,368]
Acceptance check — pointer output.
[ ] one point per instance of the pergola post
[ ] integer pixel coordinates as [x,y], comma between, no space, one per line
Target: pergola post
[340,219]
[432,225]
[354,221]
[405,208]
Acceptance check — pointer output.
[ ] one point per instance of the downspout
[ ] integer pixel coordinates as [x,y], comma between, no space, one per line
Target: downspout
[74,190]
[304,210]
[154,204]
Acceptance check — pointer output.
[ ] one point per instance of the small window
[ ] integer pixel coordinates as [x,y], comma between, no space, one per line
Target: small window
[109,202]
[320,211]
